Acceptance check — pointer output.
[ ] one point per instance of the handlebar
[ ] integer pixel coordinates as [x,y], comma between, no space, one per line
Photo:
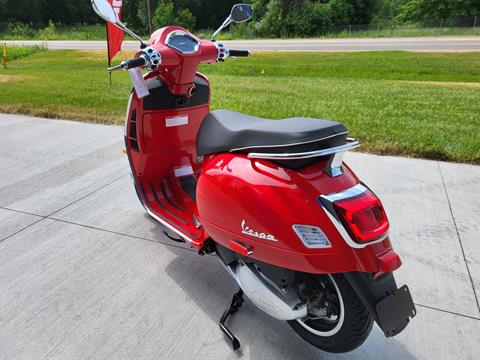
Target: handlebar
[130,64]
[223,52]
[239,53]
[133,63]
[148,57]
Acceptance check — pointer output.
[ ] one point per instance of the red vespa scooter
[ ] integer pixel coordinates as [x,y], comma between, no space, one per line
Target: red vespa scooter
[304,238]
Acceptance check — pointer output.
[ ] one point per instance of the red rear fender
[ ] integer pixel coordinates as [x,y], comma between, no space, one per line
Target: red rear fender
[256,203]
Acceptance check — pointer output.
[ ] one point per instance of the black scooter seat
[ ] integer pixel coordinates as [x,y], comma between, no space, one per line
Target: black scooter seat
[229,131]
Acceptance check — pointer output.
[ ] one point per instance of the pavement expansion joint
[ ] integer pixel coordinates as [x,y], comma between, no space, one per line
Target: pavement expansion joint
[87,195]
[447,311]
[459,237]
[178,247]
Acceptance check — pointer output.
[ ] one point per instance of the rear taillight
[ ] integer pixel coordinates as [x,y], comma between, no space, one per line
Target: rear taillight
[363,216]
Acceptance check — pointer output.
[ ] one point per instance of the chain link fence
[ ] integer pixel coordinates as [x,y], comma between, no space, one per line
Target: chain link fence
[454,26]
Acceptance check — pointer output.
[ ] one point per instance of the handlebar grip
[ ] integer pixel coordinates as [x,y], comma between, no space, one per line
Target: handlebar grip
[239,53]
[134,63]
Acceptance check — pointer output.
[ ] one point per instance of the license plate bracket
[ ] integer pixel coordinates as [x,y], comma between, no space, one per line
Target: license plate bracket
[395,311]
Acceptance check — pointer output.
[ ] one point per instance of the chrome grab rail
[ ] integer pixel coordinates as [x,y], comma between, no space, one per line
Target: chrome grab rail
[351,144]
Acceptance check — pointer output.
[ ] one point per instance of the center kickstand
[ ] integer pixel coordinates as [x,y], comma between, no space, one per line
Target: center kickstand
[237,302]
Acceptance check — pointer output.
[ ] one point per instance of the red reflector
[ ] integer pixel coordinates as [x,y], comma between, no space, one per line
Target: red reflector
[363,217]
[390,261]
[240,248]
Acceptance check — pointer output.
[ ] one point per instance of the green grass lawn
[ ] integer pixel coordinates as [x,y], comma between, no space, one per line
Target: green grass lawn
[414,104]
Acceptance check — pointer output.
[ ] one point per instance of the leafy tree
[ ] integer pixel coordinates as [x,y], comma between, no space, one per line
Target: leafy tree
[26,11]
[165,15]
[302,17]
[186,19]
[435,9]
[130,14]
[389,8]
[209,14]
[271,17]
[363,11]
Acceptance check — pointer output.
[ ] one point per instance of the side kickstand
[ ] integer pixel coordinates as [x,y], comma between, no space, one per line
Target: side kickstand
[237,302]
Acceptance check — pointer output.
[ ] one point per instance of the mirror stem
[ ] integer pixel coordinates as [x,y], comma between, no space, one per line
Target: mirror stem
[227,22]
[120,25]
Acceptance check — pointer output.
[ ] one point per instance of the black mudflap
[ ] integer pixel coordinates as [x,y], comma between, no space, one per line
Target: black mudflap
[390,307]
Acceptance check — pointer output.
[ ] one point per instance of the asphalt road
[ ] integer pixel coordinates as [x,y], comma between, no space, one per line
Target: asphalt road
[84,273]
[448,43]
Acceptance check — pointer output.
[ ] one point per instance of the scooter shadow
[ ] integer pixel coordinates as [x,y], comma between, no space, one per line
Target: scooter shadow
[210,287]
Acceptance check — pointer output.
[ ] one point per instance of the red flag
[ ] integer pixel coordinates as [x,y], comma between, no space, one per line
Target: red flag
[114,34]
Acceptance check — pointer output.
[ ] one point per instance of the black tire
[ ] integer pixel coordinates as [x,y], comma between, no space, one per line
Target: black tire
[351,333]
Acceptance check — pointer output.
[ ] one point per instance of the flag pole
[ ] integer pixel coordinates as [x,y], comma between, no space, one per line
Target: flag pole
[108,56]
[149,14]
[4,55]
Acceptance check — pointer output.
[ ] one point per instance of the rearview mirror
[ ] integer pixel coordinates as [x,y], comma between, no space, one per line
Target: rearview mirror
[105,10]
[241,13]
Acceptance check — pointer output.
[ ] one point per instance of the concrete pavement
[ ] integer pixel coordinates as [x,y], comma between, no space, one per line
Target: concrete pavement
[84,273]
[440,43]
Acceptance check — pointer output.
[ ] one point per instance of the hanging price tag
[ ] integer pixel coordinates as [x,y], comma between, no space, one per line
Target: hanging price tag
[139,83]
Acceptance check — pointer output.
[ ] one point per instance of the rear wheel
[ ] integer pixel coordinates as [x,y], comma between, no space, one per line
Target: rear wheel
[337,320]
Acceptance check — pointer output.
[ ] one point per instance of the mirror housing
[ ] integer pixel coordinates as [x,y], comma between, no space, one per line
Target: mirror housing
[240,13]
[107,13]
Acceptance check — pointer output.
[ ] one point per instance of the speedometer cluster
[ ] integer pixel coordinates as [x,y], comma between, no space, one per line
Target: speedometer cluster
[182,42]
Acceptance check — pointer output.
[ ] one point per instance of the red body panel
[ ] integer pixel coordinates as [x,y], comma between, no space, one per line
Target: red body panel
[270,198]
[178,70]
[234,192]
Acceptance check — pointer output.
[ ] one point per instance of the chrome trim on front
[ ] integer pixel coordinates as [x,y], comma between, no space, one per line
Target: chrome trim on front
[306,155]
[343,195]
[184,33]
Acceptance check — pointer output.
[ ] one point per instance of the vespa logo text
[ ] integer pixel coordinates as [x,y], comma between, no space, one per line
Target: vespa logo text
[247,231]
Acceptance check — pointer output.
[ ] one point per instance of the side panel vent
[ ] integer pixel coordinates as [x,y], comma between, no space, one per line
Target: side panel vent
[132,135]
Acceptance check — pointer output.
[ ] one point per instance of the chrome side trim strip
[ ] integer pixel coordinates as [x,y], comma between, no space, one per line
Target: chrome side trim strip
[287,145]
[306,155]
[127,116]
[343,195]
[346,194]
[168,226]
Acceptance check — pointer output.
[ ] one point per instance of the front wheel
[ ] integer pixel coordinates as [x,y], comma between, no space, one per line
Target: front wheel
[337,320]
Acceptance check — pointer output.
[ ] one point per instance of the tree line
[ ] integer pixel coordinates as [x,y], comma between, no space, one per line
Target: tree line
[414,10]
[272,17]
